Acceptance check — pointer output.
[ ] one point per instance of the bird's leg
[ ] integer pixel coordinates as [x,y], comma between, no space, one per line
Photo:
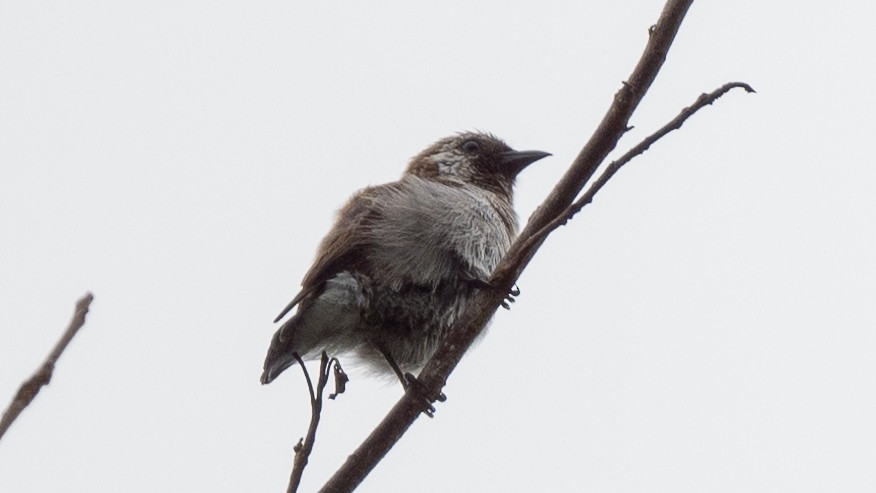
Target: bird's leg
[392,364]
[408,381]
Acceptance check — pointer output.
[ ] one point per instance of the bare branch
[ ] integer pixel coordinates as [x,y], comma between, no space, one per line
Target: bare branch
[482,307]
[31,387]
[702,101]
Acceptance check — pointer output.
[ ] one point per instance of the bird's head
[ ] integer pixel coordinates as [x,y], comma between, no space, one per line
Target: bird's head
[476,158]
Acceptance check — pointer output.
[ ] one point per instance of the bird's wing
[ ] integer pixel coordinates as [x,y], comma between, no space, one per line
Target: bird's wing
[342,248]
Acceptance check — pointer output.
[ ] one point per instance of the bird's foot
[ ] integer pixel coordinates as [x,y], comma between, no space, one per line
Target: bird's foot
[415,385]
[509,297]
[480,283]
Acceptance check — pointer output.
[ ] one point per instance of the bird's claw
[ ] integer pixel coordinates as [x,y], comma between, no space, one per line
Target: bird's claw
[509,298]
[415,385]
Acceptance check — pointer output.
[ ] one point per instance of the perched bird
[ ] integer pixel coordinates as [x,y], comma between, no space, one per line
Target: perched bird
[403,259]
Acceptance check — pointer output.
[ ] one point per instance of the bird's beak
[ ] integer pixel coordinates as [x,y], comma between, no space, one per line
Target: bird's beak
[517,160]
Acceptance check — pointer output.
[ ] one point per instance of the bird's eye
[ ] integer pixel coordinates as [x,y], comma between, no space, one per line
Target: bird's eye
[471,146]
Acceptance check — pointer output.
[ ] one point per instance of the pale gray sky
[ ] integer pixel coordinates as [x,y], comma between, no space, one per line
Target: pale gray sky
[707,324]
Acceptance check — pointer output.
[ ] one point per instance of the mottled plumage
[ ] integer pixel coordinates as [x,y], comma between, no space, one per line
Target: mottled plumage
[403,259]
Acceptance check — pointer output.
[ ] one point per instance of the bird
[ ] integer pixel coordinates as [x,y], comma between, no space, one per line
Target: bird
[403,259]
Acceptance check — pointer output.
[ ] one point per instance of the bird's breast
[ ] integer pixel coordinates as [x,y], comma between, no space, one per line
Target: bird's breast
[428,233]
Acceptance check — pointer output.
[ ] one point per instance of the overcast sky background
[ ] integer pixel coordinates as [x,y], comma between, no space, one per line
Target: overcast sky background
[707,324]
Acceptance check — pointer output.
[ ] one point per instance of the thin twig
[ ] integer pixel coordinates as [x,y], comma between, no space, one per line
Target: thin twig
[302,453]
[306,375]
[31,387]
[702,101]
[485,302]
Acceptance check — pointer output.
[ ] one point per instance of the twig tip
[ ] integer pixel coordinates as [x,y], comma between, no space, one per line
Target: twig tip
[743,85]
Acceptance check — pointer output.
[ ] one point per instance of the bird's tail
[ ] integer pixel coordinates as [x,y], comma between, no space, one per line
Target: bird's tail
[281,355]
[326,321]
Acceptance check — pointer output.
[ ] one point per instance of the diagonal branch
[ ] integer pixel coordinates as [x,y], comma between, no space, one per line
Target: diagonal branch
[31,387]
[484,304]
